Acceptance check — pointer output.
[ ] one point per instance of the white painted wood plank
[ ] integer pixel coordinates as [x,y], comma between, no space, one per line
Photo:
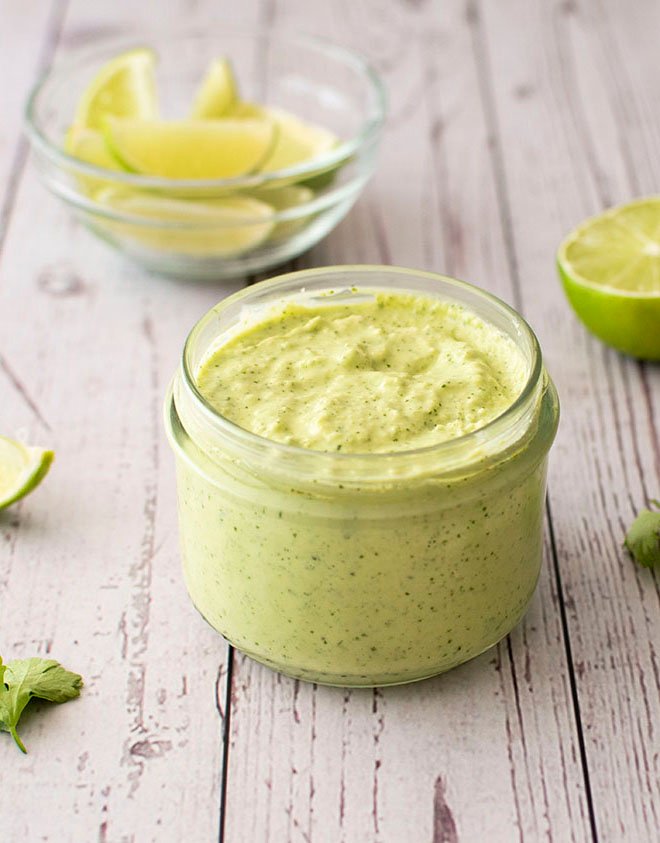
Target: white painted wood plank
[92,574]
[585,80]
[90,569]
[28,31]
[315,763]
[489,750]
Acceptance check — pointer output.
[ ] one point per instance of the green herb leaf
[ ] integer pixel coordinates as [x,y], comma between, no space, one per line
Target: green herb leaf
[4,711]
[643,537]
[23,679]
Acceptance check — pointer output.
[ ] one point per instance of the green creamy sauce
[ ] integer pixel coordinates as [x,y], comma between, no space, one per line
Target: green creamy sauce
[390,372]
[369,583]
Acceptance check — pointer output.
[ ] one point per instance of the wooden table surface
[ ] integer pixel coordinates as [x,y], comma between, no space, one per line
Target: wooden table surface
[509,122]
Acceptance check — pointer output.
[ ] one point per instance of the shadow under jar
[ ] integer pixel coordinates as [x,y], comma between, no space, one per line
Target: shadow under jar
[361,569]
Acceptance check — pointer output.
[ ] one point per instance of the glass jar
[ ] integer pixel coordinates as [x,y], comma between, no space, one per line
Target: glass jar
[361,569]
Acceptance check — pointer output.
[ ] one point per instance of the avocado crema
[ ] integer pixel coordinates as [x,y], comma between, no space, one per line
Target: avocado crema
[393,372]
[363,584]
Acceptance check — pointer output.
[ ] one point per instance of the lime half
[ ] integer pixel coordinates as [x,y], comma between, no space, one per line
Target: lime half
[191,149]
[123,87]
[217,93]
[610,268]
[22,468]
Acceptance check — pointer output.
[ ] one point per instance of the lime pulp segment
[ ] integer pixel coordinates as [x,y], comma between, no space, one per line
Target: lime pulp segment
[619,249]
[191,149]
[123,87]
[217,93]
[22,468]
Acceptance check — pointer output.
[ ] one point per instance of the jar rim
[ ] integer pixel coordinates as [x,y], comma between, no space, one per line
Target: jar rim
[449,454]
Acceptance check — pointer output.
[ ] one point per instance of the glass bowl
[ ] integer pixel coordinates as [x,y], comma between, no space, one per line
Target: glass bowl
[165,224]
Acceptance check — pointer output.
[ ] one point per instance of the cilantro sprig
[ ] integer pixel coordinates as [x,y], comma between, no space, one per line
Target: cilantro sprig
[23,679]
[643,537]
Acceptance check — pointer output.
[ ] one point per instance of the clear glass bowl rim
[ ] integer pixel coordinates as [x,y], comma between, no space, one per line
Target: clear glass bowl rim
[256,446]
[368,133]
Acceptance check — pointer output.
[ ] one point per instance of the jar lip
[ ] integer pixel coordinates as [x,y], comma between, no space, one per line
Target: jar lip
[257,444]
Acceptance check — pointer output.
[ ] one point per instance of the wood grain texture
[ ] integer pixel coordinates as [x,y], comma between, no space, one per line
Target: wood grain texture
[92,571]
[509,122]
[28,35]
[403,764]
[585,71]
[89,570]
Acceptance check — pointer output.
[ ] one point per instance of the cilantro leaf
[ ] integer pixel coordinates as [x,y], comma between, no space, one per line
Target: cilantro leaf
[23,679]
[643,537]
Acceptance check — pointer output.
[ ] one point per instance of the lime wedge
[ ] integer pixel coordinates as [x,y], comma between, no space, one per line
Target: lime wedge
[284,199]
[89,145]
[244,110]
[610,268]
[191,149]
[217,93]
[124,87]
[22,468]
[297,141]
[219,227]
